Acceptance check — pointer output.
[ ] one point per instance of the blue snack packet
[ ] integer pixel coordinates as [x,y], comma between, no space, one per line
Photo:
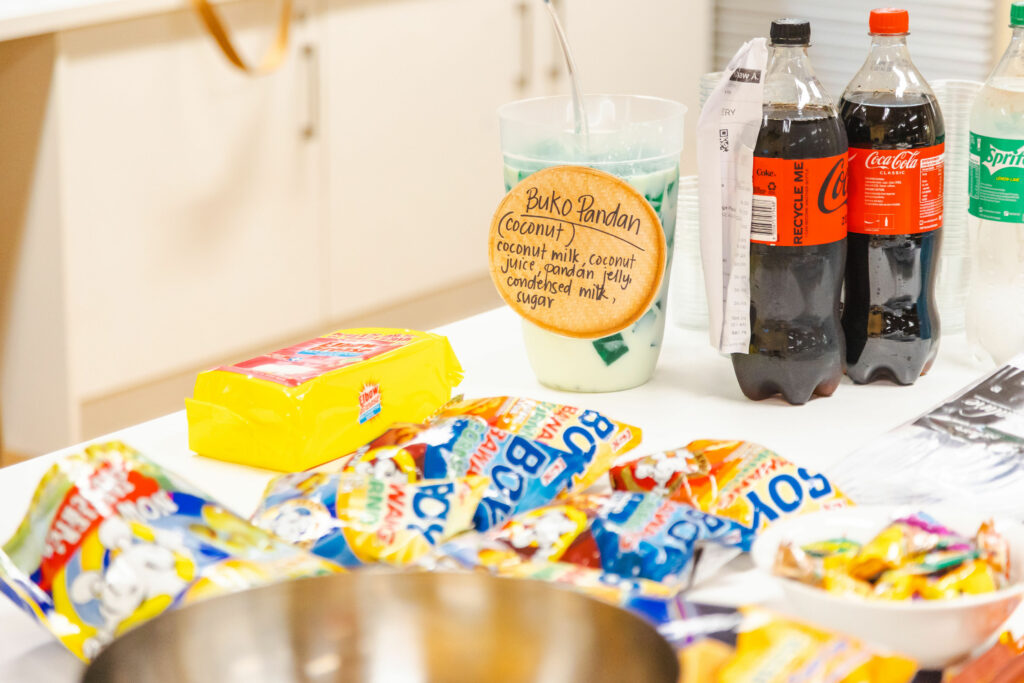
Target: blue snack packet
[355,519]
[523,473]
[648,536]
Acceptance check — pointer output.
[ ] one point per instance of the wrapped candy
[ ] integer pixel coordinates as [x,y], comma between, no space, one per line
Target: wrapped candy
[893,546]
[111,540]
[914,557]
[994,548]
[735,479]
[969,578]
[794,562]
[354,519]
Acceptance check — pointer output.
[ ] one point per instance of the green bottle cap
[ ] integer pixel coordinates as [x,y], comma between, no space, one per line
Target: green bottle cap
[1017,14]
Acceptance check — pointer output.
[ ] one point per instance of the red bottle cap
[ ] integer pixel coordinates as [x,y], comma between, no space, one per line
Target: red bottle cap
[889,20]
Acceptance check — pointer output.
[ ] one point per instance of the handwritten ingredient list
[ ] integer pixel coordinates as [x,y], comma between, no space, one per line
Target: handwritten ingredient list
[577,251]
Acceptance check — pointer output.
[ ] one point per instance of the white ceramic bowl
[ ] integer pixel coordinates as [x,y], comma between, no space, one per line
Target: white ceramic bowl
[934,632]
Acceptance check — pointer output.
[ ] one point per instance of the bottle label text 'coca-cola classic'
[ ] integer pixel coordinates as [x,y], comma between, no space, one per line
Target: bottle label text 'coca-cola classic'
[895,191]
[799,202]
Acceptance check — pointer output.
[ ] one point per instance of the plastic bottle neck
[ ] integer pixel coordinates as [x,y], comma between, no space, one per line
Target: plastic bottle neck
[1012,62]
[790,80]
[889,48]
[888,69]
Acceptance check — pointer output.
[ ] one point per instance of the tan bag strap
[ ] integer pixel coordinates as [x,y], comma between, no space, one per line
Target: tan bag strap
[272,58]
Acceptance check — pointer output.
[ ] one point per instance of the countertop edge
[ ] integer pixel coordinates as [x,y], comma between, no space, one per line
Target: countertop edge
[26,20]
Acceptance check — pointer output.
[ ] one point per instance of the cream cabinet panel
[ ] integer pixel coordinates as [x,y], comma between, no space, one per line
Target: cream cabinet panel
[190,197]
[415,165]
[644,47]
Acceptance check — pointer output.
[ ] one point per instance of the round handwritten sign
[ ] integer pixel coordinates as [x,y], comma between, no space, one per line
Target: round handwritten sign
[577,251]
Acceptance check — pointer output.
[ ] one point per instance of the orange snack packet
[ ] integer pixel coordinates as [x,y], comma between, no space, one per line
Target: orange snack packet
[740,480]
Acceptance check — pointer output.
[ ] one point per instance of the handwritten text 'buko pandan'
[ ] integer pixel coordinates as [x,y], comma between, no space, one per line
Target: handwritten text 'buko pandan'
[554,268]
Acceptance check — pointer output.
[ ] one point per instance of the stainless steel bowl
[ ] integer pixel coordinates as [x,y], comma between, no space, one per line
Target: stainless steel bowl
[377,627]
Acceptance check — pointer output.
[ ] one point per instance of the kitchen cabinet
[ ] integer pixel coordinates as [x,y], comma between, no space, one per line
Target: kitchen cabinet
[414,161]
[645,47]
[190,199]
[177,212]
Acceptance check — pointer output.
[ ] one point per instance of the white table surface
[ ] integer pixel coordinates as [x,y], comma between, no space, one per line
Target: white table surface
[693,395]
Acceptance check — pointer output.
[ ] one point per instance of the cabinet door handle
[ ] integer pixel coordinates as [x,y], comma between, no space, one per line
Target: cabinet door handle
[272,58]
[312,61]
[525,45]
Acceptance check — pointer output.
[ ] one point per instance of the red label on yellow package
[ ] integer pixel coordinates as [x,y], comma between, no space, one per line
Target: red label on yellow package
[740,480]
[304,405]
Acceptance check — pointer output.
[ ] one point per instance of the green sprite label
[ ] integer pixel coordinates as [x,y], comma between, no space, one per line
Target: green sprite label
[997,179]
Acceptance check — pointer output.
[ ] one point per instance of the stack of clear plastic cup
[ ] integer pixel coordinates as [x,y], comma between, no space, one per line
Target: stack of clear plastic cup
[688,301]
[707,85]
[955,99]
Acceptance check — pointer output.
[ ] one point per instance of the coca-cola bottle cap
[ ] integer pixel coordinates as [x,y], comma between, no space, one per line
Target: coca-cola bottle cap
[889,21]
[791,32]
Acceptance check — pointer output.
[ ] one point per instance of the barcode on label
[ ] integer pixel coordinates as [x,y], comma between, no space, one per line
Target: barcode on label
[763,220]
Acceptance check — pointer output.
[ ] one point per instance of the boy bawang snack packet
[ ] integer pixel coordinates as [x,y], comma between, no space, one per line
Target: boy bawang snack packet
[566,428]
[112,539]
[523,474]
[354,519]
[631,535]
[735,479]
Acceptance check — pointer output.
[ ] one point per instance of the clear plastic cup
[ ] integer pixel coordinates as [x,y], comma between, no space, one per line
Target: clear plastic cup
[638,139]
[708,83]
[689,306]
[955,99]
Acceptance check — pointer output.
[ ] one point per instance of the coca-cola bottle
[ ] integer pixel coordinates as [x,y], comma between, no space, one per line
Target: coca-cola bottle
[896,139]
[797,232]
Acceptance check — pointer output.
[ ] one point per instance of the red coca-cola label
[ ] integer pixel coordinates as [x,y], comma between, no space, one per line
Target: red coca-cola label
[895,191]
[799,202]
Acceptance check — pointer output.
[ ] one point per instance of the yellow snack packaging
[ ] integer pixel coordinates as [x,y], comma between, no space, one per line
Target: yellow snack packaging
[773,649]
[354,519]
[111,540]
[301,406]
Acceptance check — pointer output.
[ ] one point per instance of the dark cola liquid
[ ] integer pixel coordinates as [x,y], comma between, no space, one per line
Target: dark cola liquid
[796,342]
[889,315]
